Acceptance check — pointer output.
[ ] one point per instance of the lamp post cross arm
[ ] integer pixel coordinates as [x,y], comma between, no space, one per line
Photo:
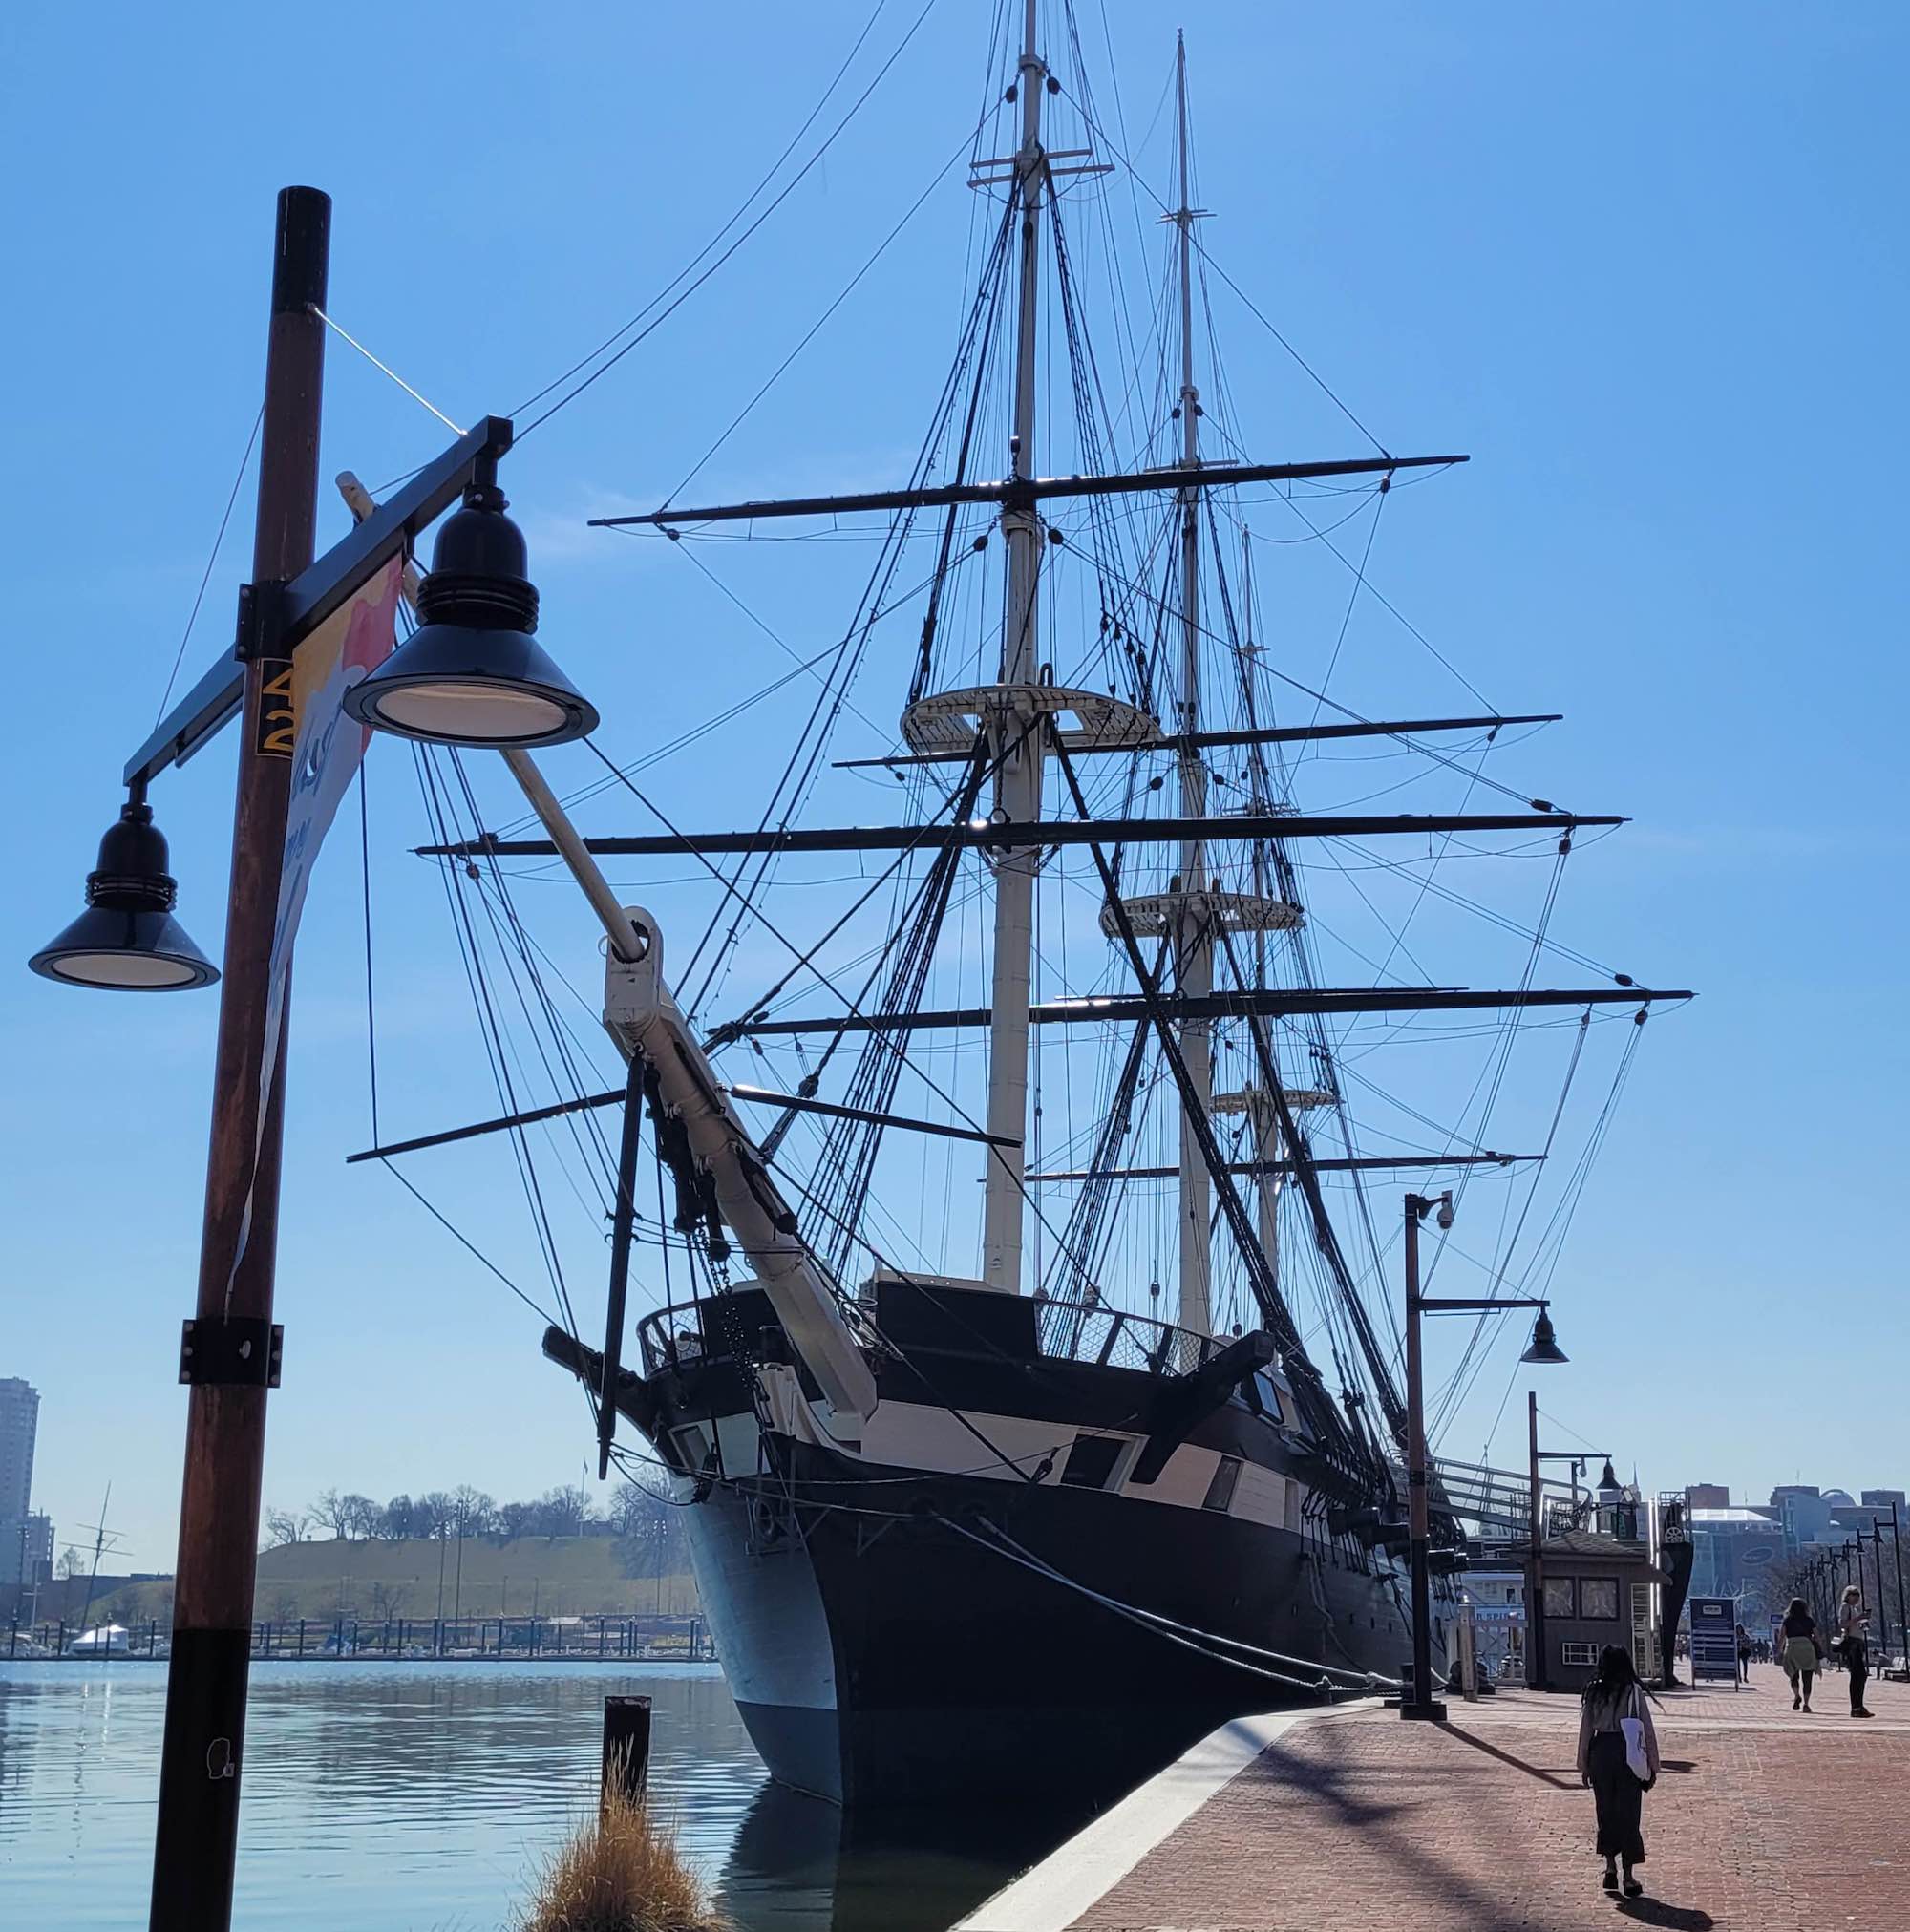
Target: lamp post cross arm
[275,622]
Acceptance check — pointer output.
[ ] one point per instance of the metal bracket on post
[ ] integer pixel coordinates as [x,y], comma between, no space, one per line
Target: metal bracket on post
[261,621]
[241,1350]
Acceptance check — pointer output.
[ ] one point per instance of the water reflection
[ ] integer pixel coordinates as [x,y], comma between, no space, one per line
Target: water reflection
[799,1865]
[400,1797]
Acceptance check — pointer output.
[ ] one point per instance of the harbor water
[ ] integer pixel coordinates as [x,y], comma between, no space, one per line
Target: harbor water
[423,1798]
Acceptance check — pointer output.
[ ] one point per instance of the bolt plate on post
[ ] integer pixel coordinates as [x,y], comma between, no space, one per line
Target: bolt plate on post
[241,1350]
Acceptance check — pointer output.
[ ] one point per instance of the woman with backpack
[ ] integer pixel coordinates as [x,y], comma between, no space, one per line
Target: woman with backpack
[1618,1758]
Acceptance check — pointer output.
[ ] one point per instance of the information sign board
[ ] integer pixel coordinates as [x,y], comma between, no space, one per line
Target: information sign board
[1714,1639]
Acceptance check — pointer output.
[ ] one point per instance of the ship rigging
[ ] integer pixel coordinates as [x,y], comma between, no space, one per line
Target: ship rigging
[1145,1392]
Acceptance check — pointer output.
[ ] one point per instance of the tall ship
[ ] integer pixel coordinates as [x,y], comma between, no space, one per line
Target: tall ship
[1003,1272]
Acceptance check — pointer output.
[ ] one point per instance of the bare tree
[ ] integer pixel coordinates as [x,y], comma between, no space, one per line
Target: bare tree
[435,1513]
[285,1526]
[564,1511]
[388,1599]
[476,1513]
[72,1562]
[334,1512]
[360,1514]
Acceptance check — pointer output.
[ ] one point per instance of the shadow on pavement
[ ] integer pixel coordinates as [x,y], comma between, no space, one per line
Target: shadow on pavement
[1552,1778]
[1673,1917]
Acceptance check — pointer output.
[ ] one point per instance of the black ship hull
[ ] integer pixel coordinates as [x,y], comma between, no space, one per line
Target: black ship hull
[893,1660]
[1026,1564]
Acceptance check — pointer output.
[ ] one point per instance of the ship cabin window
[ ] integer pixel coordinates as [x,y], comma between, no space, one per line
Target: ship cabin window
[1560,1597]
[694,1446]
[1091,1459]
[1269,1397]
[1577,1653]
[1221,1490]
[1597,1597]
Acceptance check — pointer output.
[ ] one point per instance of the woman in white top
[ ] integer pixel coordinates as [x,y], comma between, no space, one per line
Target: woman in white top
[1853,1632]
[1613,1699]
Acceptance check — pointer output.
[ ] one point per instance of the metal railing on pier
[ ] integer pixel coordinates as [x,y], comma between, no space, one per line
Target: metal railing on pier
[654,1640]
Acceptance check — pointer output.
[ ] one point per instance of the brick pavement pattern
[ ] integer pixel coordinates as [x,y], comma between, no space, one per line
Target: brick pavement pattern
[1762,1821]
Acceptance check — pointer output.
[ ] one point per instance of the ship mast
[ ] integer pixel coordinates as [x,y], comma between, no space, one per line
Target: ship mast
[1194,939]
[1019,773]
[1261,1114]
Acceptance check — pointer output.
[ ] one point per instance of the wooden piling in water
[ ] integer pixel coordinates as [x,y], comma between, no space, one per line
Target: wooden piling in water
[626,1748]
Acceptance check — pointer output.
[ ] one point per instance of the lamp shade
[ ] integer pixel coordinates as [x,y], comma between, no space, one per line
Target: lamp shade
[127,939]
[473,673]
[1544,1345]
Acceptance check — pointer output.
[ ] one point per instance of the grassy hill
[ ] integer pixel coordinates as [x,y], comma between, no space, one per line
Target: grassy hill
[554,1576]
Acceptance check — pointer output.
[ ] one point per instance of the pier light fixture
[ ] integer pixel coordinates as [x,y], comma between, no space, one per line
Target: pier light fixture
[1543,1346]
[473,673]
[127,939]
[1416,1699]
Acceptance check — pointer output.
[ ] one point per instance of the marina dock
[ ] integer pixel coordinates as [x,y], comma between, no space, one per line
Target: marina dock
[1347,1820]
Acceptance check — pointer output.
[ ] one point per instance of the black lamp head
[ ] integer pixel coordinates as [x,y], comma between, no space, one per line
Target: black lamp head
[127,939]
[473,673]
[1544,1345]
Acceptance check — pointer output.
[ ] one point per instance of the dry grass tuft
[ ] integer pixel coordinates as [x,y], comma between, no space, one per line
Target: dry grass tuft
[622,1873]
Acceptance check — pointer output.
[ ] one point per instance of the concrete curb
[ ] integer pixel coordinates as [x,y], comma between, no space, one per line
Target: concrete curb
[1052,1895]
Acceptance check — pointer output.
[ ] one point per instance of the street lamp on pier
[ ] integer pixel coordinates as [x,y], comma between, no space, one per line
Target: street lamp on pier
[1417,1701]
[472,675]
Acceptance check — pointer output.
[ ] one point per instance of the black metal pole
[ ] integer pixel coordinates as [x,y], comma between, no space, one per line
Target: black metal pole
[1535,1611]
[1896,1559]
[1417,1701]
[196,1836]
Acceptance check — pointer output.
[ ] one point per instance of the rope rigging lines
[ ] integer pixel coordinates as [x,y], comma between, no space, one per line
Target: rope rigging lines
[1112,594]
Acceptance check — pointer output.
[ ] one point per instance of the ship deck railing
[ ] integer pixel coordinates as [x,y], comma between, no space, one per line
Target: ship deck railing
[1064,1331]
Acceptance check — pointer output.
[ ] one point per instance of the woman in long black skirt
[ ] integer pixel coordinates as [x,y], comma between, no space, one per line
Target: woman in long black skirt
[1614,1698]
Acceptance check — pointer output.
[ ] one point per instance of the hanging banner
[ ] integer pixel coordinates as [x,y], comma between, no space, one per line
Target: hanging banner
[327,747]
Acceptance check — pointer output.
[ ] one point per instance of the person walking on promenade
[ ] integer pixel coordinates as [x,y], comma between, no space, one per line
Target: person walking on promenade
[1801,1651]
[1743,1655]
[1618,1757]
[1853,1632]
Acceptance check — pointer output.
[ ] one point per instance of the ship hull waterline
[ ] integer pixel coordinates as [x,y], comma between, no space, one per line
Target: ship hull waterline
[882,1658]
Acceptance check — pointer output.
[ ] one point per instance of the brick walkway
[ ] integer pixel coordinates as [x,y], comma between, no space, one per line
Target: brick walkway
[1763,1821]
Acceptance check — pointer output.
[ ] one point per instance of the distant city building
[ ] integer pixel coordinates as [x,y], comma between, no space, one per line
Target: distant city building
[1884,1498]
[1707,1495]
[1732,1551]
[19,1422]
[20,1531]
[1804,1511]
[26,1557]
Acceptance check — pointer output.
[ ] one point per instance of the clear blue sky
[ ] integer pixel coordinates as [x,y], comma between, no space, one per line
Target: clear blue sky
[1646,264]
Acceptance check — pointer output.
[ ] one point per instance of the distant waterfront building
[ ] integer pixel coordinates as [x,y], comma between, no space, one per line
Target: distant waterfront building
[1803,1511]
[1732,1551]
[20,1531]
[1707,1495]
[26,1557]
